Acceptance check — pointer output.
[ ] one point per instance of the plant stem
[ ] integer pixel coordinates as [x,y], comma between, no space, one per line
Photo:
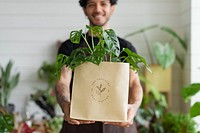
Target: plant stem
[92,40]
[148,47]
[84,37]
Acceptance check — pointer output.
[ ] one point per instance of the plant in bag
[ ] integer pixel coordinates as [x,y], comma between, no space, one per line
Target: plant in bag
[107,49]
[108,79]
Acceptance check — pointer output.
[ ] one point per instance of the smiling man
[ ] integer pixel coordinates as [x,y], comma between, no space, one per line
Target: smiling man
[98,13]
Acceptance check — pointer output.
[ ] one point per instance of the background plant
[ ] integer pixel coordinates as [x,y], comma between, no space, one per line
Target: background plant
[45,97]
[152,110]
[7,83]
[178,123]
[187,93]
[163,52]
[6,120]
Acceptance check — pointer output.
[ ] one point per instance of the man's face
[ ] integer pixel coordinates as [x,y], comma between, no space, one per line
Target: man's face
[98,12]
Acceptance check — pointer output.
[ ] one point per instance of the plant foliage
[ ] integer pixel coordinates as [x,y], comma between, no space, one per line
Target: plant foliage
[107,48]
[178,123]
[6,123]
[7,83]
[187,93]
[164,54]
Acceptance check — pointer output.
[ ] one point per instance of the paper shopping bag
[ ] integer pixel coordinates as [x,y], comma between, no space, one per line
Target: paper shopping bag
[100,93]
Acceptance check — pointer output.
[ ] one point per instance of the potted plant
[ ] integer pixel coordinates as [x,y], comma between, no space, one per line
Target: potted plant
[162,56]
[153,108]
[89,60]
[96,54]
[7,83]
[45,98]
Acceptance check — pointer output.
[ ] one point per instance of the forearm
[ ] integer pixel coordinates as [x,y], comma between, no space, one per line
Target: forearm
[135,90]
[63,87]
[62,94]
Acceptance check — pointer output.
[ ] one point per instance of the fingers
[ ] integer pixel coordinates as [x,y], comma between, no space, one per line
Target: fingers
[77,122]
[86,122]
[121,124]
[73,122]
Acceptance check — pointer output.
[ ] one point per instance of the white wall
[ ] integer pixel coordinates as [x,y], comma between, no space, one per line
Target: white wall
[29,30]
[195,48]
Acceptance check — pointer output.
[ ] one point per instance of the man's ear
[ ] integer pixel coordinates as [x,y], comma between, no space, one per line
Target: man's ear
[112,9]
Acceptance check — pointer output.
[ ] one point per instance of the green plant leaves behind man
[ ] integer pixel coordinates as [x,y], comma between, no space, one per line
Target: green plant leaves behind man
[7,83]
[6,123]
[164,54]
[187,93]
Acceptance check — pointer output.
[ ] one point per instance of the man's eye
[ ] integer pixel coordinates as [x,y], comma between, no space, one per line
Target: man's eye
[104,4]
[91,5]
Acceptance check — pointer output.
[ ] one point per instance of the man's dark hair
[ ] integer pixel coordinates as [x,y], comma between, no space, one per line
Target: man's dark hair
[83,3]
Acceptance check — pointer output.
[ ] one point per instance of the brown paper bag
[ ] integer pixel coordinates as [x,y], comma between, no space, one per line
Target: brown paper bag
[100,93]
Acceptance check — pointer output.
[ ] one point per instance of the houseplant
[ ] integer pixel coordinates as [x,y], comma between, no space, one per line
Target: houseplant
[163,52]
[162,56]
[6,121]
[184,123]
[81,58]
[153,108]
[187,93]
[7,83]
[178,123]
[44,97]
[96,54]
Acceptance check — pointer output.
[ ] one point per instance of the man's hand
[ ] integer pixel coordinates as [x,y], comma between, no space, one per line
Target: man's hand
[130,116]
[72,121]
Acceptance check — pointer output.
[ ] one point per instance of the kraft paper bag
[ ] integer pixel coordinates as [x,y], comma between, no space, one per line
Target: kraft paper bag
[100,93]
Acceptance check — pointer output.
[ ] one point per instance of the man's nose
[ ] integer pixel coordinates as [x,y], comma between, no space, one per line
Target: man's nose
[98,8]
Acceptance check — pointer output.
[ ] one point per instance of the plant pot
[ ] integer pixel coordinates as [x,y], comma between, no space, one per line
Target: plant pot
[161,79]
[10,108]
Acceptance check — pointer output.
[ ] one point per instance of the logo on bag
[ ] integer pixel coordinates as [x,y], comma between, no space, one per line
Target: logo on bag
[100,90]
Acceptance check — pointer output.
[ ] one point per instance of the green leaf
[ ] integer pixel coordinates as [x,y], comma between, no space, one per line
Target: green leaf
[190,90]
[8,71]
[6,123]
[60,61]
[77,57]
[133,59]
[112,42]
[97,56]
[14,81]
[96,31]
[195,110]
[164,54]
[174,34]
[75,36]
[180,61]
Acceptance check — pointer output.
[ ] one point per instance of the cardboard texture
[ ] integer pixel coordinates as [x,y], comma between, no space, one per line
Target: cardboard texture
[100,93]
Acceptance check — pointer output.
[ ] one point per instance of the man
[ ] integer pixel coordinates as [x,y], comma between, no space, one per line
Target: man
[98,13]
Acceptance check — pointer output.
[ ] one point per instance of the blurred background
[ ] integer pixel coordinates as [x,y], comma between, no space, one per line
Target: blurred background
[31,30]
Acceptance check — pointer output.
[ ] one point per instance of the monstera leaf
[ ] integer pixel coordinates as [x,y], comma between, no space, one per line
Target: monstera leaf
[164,54]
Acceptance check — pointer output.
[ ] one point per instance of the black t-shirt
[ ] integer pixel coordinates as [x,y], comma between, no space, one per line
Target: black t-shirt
[67,47]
